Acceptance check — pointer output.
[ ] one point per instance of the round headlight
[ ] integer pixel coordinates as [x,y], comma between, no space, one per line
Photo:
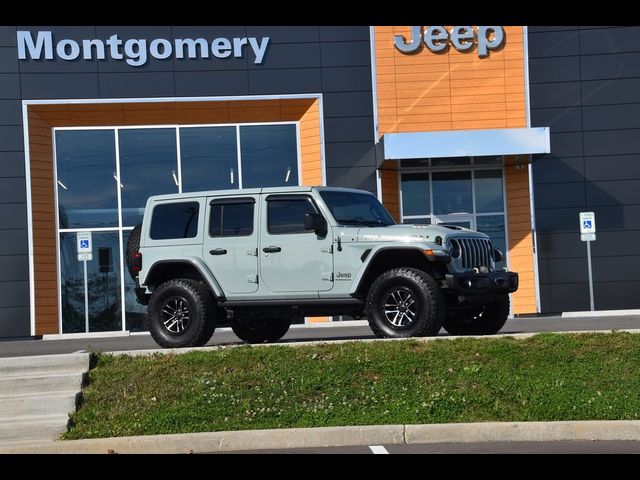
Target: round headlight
[454,248]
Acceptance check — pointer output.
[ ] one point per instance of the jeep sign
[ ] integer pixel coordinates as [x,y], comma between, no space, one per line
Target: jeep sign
[464,38]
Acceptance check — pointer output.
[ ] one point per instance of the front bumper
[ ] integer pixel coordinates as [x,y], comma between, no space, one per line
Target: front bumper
[478,283]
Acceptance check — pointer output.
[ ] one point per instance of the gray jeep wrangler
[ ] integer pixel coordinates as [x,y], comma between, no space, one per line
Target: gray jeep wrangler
[259,259]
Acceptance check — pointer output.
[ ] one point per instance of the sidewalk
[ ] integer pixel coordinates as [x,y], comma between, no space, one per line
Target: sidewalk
[208,442]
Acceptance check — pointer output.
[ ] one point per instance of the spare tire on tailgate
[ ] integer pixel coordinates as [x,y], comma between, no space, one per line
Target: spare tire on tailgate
[133,245]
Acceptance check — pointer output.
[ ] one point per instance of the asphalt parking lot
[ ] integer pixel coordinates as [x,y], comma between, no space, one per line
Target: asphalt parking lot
[300,333]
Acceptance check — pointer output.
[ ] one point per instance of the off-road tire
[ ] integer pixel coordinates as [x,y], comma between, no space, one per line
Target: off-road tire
[133,246]
[485,320]
[201,311]
[260,330]
[422,288]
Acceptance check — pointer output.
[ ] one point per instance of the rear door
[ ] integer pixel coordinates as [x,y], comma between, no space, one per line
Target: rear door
[231,242]
[293,259]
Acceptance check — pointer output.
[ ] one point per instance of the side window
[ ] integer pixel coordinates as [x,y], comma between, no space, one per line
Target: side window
[174,220]
[231,219]
[287,215]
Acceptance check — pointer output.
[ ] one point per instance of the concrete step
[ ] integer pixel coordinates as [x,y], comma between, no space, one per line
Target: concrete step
[44,364]
[34,428]
[40,384]
[13,406]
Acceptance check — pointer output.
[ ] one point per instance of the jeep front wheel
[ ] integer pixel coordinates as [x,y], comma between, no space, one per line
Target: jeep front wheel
[258,330]
[485,320]
[405,302]
[181,313]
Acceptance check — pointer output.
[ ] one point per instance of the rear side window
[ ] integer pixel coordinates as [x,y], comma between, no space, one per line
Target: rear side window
[231,219]
[175,220]
[287,215]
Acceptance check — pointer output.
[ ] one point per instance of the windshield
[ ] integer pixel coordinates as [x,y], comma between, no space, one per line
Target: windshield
[352,208]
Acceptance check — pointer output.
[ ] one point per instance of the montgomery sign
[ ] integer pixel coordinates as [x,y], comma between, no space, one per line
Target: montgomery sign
[136,52]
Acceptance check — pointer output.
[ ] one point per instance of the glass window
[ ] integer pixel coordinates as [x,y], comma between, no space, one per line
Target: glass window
[415,162]
[103,277]
[148,166]
[71,285]
[269,155]
[493,225]
[102,284]
[209,158]
[231,219]
[415,194]
[350,208]
[174,220]
[86,167]
[489,191]
[488,161]
[287,216]
[416,221]
[450,162]
[452,193]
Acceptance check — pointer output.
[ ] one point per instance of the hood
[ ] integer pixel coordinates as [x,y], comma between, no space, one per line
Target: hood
[413,233]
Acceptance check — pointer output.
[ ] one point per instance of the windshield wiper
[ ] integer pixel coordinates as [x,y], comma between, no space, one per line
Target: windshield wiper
[355,221]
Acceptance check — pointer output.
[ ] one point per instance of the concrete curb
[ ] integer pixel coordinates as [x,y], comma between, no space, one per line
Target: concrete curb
[343,436]
[601,313]
[178,351]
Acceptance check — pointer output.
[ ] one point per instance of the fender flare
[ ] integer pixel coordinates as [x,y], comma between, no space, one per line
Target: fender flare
[355,285]
[204,271]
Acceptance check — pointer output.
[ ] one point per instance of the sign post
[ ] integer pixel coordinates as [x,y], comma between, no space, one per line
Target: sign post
[588,234]
[85,254]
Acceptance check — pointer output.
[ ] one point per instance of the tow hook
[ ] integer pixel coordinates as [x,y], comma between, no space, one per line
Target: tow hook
[499,281]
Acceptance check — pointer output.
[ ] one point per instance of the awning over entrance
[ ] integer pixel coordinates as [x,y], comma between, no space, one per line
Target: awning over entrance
[466,143]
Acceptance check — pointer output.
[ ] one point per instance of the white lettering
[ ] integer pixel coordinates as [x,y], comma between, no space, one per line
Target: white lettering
[221,48]
[191,47]
[61,49]
[43,40]
[167,48]
[114,47]
[136,52]
[259,50]
[86,49]
[238,43]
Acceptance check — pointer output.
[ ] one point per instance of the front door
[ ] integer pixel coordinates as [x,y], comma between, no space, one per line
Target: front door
[293,259]
[231,242]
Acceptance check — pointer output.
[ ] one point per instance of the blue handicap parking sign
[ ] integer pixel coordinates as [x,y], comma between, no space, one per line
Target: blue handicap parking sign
[84,243]
[586,224]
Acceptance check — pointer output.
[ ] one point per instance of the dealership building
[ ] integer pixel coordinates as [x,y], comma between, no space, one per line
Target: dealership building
[509,130]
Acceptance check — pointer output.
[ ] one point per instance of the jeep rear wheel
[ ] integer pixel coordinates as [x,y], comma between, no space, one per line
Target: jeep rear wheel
[258,330]
[181,313]
[485,320]
[405,302]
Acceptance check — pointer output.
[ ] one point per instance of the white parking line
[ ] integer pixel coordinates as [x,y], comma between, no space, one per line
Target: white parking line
[378,450]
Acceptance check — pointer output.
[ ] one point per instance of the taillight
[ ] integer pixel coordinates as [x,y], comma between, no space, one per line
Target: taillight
[136,262]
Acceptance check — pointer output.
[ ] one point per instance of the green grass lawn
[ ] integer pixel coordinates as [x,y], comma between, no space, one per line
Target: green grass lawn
[546,377]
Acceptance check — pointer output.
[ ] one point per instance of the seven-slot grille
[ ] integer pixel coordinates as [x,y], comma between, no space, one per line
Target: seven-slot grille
[476,252]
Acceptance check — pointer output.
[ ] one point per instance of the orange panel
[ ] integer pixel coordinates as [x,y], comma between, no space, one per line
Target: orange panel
[520,235]
[460,80]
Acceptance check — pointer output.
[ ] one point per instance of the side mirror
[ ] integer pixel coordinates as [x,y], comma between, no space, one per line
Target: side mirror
[497,255]
[315,222]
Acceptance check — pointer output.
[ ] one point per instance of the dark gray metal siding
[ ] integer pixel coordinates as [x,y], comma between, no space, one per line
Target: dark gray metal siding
[585,85]
[332,60]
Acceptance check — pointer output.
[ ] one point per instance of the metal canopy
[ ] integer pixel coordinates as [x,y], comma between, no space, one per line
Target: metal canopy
[466,143]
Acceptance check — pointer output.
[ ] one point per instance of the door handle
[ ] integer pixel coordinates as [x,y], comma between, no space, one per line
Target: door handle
[271,249]
[218,251]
